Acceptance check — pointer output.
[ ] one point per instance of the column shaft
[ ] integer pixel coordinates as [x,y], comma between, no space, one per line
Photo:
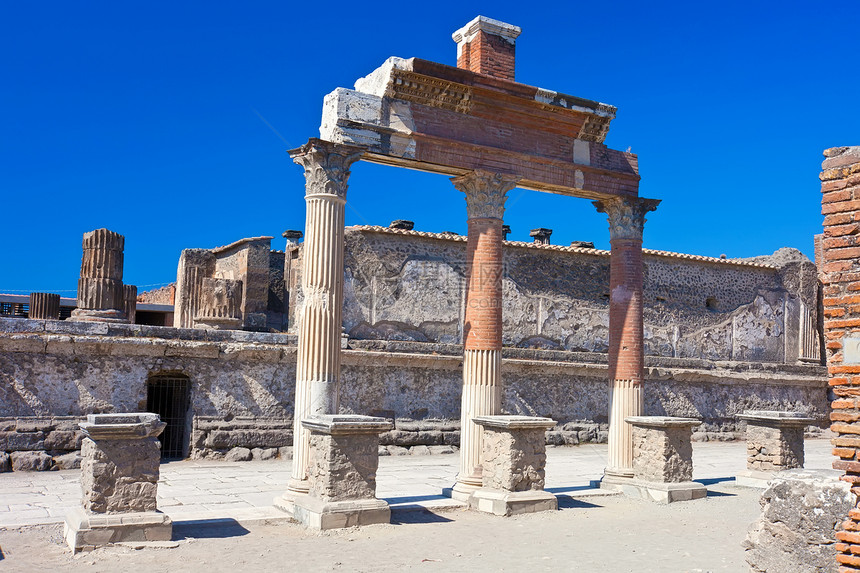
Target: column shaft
[482,356]
[626,349]
[318,359]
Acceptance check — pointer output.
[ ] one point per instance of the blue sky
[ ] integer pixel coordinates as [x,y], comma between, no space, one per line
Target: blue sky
[168,122]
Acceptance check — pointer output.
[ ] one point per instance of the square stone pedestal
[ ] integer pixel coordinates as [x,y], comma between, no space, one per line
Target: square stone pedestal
[774,443]
[513,463]
[85,532]
[662,460]
[342,461]
[119,477]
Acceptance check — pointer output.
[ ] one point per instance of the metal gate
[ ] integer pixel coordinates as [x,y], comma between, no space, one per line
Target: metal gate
[168,396]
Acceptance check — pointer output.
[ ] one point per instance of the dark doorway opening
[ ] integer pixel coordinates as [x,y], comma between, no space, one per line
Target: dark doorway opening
[168,396]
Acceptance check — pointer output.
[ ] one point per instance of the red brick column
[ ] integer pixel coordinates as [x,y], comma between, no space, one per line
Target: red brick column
[840,273]
[482,354]
[626,358]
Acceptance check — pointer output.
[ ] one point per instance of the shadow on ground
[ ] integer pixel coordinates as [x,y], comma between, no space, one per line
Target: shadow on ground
[208,529]
[410,516]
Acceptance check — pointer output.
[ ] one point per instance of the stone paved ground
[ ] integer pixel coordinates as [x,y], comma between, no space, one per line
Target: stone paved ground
[224,521]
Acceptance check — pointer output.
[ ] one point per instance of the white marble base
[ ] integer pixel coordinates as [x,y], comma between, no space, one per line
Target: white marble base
[660,492]
[752,478]
[501,502]
[321,515]
[86,531]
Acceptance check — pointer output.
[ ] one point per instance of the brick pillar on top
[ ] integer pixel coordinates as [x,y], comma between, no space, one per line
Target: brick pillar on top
[626,221]
[487,46]
[327,168]
[482,355]
[840,274]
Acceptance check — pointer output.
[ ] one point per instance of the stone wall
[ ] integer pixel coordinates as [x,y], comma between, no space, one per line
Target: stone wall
[242,386]
[409,285]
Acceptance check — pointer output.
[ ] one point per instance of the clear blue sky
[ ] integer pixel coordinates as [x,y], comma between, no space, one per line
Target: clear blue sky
[168,122]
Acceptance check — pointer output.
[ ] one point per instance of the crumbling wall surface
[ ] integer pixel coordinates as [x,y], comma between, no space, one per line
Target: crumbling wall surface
[802,510]
[242,387]
[408,285]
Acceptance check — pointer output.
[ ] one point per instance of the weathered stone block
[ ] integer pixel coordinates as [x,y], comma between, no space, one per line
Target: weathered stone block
[342,462]
[20,441]
[30,461]
[5,462]
[662,460]
[801,512]
[69,461]
[513,466]
[119,477]
[63,440]
[238,455]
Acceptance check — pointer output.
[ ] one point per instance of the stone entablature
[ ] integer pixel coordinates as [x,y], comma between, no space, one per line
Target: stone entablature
[438,118]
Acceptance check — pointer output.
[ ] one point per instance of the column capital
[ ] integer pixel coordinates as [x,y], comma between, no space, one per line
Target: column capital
[485,192]
[626,215]
[326,166]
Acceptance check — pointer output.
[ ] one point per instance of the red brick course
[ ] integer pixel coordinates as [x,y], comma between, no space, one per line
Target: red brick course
[840,274]
[488,54]
[483,320]
[626,350]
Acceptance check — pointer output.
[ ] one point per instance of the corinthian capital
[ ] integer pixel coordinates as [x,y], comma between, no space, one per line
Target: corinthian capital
[626,215]
[485,192]
[326,166]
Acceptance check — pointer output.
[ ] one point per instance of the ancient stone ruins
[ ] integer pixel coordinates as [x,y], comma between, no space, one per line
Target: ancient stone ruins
[364,341]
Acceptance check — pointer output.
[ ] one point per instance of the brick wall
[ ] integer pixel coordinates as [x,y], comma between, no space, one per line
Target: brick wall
[490,55]
[840,267]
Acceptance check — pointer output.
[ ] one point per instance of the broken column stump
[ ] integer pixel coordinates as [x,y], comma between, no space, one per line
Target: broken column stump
[774,443]
[44,306]
[100,292]
[342,461]
[513,463]
[119,477]
[663,459]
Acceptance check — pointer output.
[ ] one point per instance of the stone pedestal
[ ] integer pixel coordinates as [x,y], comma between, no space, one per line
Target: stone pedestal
[662,460]
[513,466]
[44,306]
[119,477]
[100,288]
[774,443]
[343,457]
[486,194]
[220,304]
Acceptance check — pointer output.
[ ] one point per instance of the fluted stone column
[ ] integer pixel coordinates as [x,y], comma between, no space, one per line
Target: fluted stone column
[318,363]
[626,357]
[482,355]
[129,301]
[100,292]
[45,306]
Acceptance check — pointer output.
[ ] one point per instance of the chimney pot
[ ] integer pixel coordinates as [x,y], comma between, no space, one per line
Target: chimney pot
[541,235]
